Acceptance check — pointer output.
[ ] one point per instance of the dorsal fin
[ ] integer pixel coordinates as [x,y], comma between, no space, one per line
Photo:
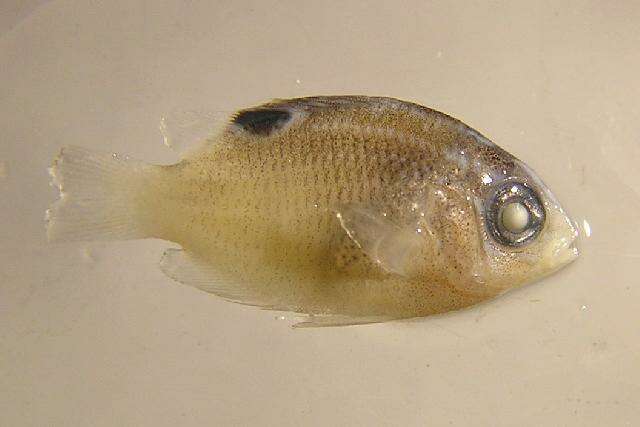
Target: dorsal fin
[263,121]
[185,131]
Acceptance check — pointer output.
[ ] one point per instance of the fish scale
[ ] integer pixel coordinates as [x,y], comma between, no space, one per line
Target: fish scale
[351,209]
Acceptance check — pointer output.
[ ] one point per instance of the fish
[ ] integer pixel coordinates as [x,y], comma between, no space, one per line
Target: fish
[341,209]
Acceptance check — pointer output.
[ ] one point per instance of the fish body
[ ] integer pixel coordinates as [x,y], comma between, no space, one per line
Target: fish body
[350,209]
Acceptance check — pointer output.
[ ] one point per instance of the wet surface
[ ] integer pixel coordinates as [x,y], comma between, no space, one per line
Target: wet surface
[98,333]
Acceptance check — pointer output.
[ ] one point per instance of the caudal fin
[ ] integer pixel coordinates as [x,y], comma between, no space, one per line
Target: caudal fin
[98,193]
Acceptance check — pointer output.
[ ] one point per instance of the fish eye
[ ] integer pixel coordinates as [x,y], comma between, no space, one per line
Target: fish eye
[515,215]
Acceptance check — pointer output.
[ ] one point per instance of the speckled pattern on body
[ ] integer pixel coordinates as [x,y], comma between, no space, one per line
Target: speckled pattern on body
[352,209]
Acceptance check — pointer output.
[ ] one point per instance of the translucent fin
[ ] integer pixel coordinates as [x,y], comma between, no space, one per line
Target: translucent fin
[392,247]
[184,131]
[322,321]
[189,270]
[350,258]
[96,196]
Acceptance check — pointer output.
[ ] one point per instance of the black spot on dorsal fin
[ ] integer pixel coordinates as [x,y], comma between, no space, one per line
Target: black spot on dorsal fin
[263,121]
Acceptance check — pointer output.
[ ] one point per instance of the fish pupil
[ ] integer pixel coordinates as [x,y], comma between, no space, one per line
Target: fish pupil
[262,122]
[515,217]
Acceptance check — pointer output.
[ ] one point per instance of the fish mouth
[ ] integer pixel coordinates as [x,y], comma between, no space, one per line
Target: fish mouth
[568,254]
[566,251]
[563,254]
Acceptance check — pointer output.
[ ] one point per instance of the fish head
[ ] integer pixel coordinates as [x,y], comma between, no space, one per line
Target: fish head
[524,233]
[495,225]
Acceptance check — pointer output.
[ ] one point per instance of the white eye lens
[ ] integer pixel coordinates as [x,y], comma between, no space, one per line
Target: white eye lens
[515,217]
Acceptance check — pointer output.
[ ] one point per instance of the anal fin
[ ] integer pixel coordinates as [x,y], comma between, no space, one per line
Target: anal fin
[188,269]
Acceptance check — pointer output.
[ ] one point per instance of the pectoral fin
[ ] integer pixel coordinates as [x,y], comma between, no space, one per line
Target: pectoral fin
[392,247]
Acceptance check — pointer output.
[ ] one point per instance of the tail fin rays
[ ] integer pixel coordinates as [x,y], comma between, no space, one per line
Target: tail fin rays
[97,196]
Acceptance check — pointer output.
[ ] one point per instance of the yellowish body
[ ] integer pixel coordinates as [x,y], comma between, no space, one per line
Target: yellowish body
[351,209]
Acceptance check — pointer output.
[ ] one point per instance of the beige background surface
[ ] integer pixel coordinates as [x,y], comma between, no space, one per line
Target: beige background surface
[94,334]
